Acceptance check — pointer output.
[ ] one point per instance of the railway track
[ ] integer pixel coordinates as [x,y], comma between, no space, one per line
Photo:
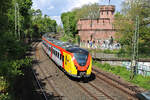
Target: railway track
[96,94]
[115,83]
[54,93]
[34,45]
[90,88]
[101,94]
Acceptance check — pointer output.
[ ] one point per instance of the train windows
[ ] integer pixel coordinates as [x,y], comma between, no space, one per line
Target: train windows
[60,56]
[57,54]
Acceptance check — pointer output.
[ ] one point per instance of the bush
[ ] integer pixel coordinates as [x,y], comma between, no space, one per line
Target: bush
[5,96]
[9,70]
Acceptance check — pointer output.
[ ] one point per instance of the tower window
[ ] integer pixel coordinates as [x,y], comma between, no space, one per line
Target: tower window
[107,12]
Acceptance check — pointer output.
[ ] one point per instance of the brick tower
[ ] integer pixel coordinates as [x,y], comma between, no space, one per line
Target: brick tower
[98,29]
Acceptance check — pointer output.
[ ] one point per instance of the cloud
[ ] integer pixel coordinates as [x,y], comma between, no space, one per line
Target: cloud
[78,3]
[57,18]
[54,8]
[51,7]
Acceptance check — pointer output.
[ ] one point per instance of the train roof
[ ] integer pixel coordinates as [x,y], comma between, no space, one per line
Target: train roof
[66,45]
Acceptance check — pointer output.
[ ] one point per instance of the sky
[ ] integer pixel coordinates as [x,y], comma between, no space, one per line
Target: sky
[54,8]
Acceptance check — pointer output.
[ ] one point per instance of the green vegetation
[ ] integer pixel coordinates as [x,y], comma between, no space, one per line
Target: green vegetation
[70,39]
[14,43]
[125,22]
[40,24]
[8,72]
[70,19]
[138,80]
[107,51]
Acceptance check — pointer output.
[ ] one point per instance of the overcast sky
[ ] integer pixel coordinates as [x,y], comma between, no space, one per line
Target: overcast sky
[54,8]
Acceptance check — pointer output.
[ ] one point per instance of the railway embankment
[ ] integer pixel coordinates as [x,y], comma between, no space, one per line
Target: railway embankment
[58,85]
[25,86]
[123,74]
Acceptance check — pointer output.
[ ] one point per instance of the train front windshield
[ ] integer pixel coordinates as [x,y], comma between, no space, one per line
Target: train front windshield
[81,58]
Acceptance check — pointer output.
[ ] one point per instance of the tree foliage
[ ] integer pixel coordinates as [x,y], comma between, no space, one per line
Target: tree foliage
[125,23]
[12,47]
[70,19]
[42,24]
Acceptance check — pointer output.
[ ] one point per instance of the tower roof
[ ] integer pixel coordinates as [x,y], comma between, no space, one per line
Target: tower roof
[107,7]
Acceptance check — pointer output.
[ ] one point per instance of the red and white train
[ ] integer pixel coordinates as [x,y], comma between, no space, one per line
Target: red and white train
[75,61]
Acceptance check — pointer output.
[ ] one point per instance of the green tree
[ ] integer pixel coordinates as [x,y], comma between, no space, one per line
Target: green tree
[42,25]
[70,19]
[125,23]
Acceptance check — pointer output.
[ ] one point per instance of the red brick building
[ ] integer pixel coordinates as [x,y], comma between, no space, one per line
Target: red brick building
[98,29]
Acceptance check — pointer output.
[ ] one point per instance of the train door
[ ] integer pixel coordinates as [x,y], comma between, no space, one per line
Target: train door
[59,57]
[53,53]
[49,50]
[67,62]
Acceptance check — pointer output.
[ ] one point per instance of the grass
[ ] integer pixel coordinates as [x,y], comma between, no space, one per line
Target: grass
[138,80]
[104,51]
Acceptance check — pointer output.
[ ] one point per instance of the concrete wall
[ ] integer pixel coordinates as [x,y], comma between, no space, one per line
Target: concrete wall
[143,67]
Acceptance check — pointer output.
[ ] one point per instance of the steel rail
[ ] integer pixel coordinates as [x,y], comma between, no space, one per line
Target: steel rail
[109,97]
[107,79]
[55,91]
[87,91]
[45,97]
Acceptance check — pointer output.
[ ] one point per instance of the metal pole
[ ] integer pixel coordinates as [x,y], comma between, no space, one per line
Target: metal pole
[15,20]
[134,63]
[18,21]
[138,23]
